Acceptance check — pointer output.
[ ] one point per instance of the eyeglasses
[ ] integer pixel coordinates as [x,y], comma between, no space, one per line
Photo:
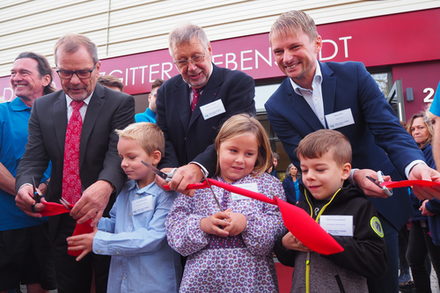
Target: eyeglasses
[194,60]
[82,74]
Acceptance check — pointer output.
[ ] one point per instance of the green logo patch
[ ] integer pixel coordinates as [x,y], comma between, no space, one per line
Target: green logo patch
[376,226]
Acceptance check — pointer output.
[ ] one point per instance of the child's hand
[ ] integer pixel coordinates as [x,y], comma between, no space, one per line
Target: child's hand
[291,242]
[82,242]
[237,224]
[216,223]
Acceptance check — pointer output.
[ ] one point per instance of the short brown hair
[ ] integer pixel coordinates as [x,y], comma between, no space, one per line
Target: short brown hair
[293,21]
[318,143]
[244,123]
[157,83]
[70,43]
[149,136]
[111,81]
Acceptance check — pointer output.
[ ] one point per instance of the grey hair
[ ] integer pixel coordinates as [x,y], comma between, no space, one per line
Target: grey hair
[184,34]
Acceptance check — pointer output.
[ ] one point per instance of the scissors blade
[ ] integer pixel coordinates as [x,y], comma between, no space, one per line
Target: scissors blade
[213,193]
[377,182]
[161,174]
[65,203]
[37,193]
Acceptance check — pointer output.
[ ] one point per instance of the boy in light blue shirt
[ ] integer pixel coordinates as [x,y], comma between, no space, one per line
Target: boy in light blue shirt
[135,234]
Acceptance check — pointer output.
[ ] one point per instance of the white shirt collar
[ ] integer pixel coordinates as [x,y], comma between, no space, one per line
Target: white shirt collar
[317,80]
[86,100]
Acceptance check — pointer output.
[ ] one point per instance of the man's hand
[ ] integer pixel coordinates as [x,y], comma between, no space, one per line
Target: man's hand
[188,174]
[82,242]
[92,203]
[25,201]
[423,172]
[424,210]
[368,187]
[216,224]
[291,242]
[42,188]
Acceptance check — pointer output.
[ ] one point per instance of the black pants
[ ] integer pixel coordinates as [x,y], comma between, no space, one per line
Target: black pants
[419,246]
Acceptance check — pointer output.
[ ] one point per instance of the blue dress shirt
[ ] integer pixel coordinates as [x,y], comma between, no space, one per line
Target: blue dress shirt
[141,259]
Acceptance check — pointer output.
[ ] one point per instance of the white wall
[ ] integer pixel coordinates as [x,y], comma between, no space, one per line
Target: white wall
[121,27]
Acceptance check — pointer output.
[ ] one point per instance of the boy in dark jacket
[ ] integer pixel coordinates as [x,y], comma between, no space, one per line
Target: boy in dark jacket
[343,211]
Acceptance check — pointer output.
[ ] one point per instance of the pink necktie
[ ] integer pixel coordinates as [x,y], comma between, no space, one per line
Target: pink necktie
[196,96]
[71,188]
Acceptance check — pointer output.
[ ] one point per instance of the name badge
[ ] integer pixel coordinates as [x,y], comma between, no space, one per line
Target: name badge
[143,204]
[337,225]
[339,119]
[212,109]
[252,186]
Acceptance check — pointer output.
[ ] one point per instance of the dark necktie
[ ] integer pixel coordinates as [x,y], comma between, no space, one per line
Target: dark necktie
[71,188]
[196,96]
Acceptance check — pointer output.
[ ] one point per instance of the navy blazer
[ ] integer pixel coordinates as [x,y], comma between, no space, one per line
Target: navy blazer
[378,140]
[188,136]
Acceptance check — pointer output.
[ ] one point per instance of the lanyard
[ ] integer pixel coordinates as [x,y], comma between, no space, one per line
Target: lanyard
[307,277]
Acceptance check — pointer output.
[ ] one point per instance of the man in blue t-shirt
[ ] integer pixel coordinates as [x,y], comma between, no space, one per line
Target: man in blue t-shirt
[24,257]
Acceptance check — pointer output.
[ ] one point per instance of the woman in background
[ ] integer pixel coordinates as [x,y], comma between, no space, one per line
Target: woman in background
[291,184]
[424,234]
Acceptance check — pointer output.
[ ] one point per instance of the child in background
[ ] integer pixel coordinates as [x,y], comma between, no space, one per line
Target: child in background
[135,235]
[343,211]
[229,247]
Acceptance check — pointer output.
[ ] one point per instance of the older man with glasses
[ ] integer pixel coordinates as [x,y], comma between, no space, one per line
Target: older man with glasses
[192,106]
[74,129]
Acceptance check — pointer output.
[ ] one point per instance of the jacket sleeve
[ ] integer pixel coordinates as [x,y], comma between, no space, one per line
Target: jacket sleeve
[122,117]
[383,123]
[183,227]
[364,253]
[170,159]
[264,226]
[284,255]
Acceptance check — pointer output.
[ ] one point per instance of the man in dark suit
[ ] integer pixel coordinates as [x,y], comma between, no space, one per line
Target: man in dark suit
[100,176]
[343,96]
[192,106]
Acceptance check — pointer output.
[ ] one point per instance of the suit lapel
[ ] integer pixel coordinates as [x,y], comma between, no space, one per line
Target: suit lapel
[60,116]
[209,94]
[93,110]
[182,106]
[328,88]
[301,107]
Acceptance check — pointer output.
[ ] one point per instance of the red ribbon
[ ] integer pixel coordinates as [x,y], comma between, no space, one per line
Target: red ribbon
[410,183]
[53,209]
[296,220]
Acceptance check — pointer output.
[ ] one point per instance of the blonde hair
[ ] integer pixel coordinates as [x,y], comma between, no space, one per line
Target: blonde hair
[149,136]
[427,123]
[241,124]
[318,143]
[292,21]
